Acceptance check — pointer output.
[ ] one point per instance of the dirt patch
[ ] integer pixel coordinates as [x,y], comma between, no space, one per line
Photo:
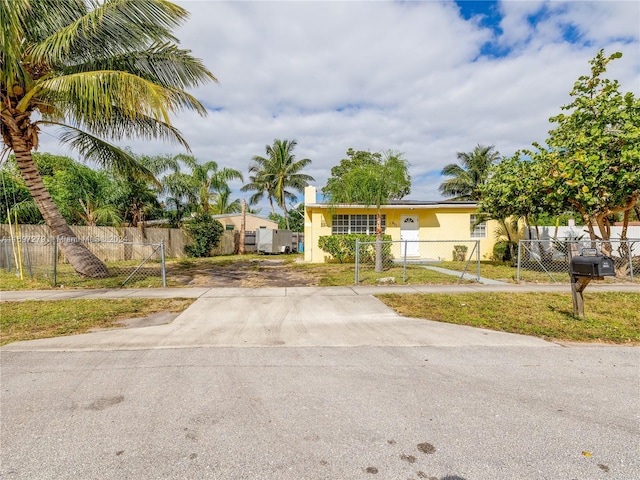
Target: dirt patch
[426,448]
[254,273]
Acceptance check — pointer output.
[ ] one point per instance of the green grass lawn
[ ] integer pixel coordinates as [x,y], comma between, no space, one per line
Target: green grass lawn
[148,276]
[612,317]
[344,274]
[504,272]
[31,320]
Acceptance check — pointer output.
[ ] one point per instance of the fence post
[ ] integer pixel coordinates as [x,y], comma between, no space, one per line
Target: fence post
[404,269]
[630,259]
[478,264]
[519,256]
[163,265]
[55,260]
[6,256]
[357,279]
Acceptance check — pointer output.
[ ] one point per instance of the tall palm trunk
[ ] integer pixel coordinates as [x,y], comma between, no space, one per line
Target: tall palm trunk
[78,255]
[284,210]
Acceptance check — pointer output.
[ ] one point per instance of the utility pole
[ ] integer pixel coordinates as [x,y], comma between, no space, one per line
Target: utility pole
[243,220]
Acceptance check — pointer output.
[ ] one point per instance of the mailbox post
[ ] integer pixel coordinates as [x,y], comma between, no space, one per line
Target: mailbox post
[587,266]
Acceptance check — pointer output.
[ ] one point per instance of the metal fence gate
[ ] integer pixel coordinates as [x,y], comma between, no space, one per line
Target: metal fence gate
[387,259]
[552,256]
[42,258]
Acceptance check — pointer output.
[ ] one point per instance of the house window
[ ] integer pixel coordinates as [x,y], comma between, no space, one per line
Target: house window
[479,230]
[346,224]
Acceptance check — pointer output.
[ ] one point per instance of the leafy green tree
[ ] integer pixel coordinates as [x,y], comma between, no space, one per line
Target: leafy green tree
[358,160]
[591,164]
[76,188]
[470,174]
[371,184]
[98,71]
[513,189]
[137,197]
[278,174]
[17,202]
[593,155]
[71,184]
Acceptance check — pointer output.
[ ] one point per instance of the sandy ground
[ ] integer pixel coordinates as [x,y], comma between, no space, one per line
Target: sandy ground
[248,274]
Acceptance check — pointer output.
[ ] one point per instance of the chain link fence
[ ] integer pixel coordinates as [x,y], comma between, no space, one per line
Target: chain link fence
[129,263]
[383,262]
[551,257]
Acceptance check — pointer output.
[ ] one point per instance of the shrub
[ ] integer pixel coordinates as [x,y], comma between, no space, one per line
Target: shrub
[501,252]
[343,247]
[205,232]
[459,253]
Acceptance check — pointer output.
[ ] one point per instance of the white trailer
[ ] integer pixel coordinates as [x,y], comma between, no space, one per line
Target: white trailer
[273,241]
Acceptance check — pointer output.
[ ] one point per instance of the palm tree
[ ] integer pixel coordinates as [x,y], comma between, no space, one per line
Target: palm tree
[182,196]
[222,203]
[208,180]
[94,212]
[260,183]
[279,173]
[372,183]
[470,174]
[100,71]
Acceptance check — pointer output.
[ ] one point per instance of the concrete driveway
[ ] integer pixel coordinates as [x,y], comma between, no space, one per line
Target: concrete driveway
[302,318]
[327,385]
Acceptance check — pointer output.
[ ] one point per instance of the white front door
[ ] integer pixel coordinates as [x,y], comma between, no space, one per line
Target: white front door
[409,232]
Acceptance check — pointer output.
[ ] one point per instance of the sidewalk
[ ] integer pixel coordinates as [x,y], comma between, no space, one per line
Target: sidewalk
[205,292]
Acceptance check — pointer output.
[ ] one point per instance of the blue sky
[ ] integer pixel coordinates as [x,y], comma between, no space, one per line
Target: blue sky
[489,12]
[426,78]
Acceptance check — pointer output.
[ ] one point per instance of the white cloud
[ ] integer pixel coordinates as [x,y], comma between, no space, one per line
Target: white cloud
[406,76]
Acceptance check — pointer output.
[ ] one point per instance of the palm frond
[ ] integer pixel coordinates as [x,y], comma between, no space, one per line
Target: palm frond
[164,64]
[13,14]
[469,174]
[220,178]
[92,95]
[181,186]
[120,127]
[103,153]
[113,26]
[27,212]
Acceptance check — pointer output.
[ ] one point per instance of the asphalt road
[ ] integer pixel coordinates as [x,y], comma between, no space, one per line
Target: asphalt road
[322,387]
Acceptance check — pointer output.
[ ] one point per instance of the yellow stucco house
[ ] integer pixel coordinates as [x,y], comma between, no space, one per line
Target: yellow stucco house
[445,221]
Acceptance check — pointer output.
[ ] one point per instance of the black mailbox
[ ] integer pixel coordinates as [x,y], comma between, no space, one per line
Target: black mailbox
[592,266]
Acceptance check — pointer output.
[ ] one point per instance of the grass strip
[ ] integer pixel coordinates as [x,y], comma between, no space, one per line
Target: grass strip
[33,319]
[612,317]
